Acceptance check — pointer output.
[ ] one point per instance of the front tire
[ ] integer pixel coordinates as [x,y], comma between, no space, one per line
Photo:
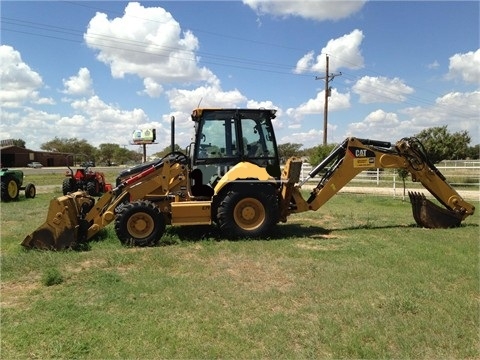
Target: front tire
[10,189]
[68,185]
[139,223]
[248,212]
[30,191]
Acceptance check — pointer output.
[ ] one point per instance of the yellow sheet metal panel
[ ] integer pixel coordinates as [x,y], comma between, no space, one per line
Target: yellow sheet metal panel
[192,213]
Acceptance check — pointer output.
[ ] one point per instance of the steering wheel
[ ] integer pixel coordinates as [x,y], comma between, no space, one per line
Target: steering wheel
[179,157]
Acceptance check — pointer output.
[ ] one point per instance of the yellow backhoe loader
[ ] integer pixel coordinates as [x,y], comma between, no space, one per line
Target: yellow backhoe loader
[230,176]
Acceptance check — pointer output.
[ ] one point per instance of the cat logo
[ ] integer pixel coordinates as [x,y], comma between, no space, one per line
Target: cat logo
[360,153]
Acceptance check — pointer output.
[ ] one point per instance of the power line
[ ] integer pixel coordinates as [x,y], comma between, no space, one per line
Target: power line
[216,59]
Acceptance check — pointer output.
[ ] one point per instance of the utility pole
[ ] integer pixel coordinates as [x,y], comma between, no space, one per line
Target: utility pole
[328,92]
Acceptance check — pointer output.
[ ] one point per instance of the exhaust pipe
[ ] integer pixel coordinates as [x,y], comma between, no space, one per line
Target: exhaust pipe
[172,132]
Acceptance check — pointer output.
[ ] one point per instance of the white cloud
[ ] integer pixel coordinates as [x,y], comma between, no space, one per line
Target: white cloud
[183,101]
[344,52]
[149,43]
[308,139]
[152,88]
[99,122]
[19,83]
[459,111]
[380,125]
[319,10]
[267,104]
[337,101]
[465,67]
[305,63]
[381,89]
[81,84]
[433,65]
[30,125]
[76,121]
[207,96]
[44,101]
[461,104]
[100,112]
[380,118]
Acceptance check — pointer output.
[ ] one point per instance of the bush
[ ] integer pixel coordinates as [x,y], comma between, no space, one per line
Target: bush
[52,276]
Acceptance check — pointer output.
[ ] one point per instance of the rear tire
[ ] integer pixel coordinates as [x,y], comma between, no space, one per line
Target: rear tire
[139,223]
[30,191]
[248,212]
[10,189]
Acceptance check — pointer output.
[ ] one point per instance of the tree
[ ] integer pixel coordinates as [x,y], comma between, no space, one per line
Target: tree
[122,156]
[167,150]
[106,153]
[288,150]
[19,143]
[442,145]
[473,152]
[81,149]
[403,174]
[318,153]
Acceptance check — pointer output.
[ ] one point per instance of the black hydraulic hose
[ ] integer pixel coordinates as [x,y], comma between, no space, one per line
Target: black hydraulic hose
[422,153]
[340,149]
[383,144]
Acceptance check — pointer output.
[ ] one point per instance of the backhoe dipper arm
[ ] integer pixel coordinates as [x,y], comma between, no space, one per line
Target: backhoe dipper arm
[354,155]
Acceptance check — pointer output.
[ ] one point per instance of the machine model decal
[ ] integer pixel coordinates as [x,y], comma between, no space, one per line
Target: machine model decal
[362,157]
[364,162]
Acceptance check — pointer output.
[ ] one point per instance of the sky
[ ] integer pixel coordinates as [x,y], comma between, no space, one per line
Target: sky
[99,70]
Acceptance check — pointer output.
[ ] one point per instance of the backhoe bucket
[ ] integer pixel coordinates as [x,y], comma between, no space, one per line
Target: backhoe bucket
[429,215]
[64,227]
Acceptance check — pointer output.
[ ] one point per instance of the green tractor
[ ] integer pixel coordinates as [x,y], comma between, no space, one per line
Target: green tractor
[12,181]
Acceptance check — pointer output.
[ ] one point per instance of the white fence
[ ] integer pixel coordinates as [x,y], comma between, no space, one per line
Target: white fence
[465,174]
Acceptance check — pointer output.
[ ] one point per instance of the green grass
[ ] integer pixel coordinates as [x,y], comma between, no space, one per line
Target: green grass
[356,279]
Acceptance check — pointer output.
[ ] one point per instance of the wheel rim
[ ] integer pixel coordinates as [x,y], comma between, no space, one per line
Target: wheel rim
[31,192]
[12,188]
[140,225]
[249,213]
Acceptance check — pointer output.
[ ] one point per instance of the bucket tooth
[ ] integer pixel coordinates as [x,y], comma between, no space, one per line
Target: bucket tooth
[429,215]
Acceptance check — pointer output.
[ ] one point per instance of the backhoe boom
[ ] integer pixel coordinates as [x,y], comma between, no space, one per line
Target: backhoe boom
[354,155]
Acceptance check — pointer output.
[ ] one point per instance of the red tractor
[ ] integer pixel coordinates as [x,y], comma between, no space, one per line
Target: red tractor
[85,179]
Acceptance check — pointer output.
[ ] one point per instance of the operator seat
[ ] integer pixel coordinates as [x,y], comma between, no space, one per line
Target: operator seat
[199,188]
[254,149]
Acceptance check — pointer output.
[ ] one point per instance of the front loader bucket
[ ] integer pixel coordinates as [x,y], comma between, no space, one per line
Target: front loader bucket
[64,227]
[429,215]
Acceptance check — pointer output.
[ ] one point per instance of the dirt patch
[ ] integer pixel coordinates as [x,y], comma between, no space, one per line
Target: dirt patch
[254,275]
[317,246]
[16,294]
[46,189]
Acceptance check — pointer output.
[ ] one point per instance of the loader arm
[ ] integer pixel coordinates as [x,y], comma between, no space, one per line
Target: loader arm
[355,155]
[75,218]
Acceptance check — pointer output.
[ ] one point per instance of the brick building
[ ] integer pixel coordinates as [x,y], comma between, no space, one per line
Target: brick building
[15,156]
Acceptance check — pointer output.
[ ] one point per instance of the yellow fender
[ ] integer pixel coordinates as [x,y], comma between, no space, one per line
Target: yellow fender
[243,170]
